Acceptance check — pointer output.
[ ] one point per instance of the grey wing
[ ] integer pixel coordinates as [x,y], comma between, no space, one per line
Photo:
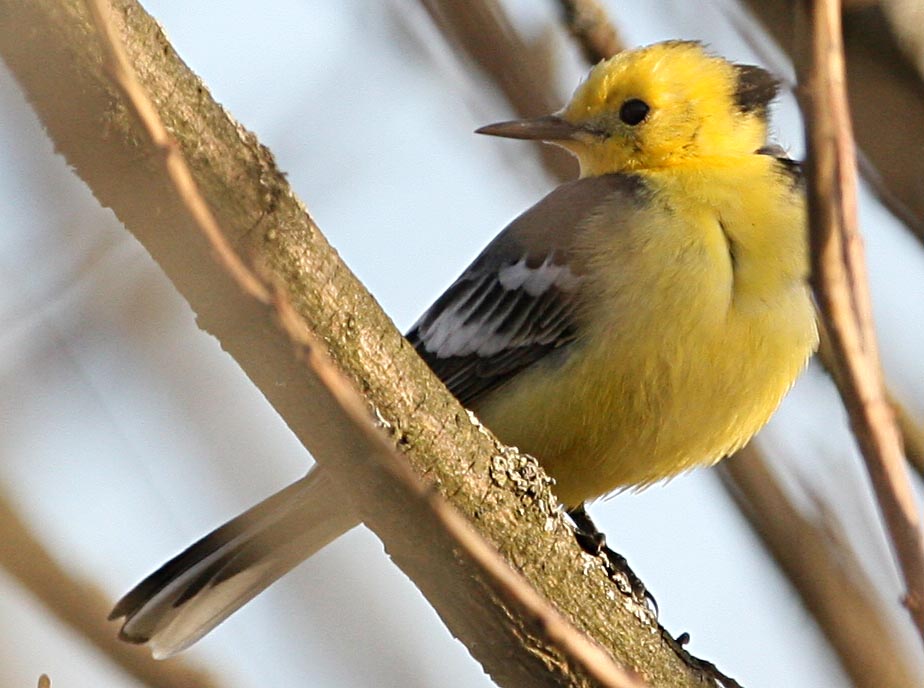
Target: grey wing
[521,298]
[484,329]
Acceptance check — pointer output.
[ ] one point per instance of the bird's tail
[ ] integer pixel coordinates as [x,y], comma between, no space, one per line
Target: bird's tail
[199,588]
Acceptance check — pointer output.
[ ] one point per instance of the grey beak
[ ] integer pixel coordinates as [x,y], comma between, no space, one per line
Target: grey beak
[547,128]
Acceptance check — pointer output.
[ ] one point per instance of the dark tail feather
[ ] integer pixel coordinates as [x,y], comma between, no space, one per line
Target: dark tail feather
[199,588]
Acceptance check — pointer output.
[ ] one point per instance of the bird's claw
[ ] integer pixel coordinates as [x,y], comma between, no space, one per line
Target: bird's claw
[592,541]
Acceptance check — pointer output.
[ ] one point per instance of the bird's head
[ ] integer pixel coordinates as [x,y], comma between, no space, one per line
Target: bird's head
[658,106]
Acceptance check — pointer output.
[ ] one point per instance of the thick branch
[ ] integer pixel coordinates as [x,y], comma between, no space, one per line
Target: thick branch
[92,128]
[370,463]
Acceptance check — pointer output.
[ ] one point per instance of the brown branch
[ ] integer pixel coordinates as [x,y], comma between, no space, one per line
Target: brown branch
[81,606]
[377,464]
[912,435]
[502,493]
[881,81]
[839,280]
[825,572]
[591,27]
[481,30]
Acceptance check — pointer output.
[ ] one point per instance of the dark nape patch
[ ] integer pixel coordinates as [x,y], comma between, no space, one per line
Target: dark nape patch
[755,89]
[792,169]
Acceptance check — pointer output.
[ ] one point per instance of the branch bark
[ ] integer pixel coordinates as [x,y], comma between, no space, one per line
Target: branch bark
[370,463]
[504,495]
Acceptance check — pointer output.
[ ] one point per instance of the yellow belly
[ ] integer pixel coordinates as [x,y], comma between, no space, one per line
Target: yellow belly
[686,355]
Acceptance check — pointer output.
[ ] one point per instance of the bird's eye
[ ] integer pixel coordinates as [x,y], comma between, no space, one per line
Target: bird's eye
[633,111]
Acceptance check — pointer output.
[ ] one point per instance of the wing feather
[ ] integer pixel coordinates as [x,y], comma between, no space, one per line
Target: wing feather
[521,299]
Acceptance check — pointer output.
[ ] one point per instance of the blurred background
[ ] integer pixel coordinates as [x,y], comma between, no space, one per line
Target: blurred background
[126,433]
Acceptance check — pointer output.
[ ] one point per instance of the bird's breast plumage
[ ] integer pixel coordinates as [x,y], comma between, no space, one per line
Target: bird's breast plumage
[696,322]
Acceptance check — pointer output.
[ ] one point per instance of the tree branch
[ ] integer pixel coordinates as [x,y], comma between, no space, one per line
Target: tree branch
[839,280]
[503,494]
[81,606]
[823,568]
[392,495]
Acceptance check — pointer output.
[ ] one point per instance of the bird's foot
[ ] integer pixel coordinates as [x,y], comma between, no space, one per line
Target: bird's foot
[592,541]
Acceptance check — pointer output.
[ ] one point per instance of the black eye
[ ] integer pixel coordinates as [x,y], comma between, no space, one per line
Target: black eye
[633,111]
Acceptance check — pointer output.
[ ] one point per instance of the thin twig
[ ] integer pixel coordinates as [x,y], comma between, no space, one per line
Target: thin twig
[840,283]
[481,30]
[824,570]
[509,586]
[81,606]
[591,27]
[123,78]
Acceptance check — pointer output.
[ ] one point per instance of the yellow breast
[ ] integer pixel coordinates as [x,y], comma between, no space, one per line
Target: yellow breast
[700,324]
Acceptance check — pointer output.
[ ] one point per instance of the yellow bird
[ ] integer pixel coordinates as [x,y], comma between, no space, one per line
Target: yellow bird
[642,320]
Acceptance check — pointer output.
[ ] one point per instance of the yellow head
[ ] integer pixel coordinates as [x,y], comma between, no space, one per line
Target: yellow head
[658,106]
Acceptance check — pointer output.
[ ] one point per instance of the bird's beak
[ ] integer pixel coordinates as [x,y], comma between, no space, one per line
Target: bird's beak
[547,128]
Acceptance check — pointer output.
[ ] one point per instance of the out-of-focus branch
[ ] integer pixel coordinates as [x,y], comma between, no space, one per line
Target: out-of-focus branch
[510,603]
[481,30]
[823,568]
[906,17]
[883,88]
[911,431]
[591,27]
[774,517]
[839,280]
[81,606]
[504,495]
[912,434]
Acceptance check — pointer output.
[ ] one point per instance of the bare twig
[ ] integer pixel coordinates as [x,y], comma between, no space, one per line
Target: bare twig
[508,589]
[481,30]
[592,29]
[120,71]
[839,279]
[824,570]
[881,82]
[81,606]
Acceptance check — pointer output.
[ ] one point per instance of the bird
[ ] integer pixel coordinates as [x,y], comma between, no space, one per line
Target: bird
[637,322]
